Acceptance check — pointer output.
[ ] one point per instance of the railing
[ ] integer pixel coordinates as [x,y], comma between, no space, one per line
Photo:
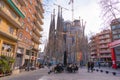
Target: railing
[5,53]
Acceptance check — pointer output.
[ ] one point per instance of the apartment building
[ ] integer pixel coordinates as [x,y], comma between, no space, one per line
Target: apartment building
[10,15]
[99,46]
[115,44]
[20,27]
[29,36]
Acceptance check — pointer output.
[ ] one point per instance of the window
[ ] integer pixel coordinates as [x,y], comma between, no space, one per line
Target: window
[13,14]
[30,32]
[30,1]
[0,20]
[30,10]
[26,3]
[11,30]
[1,4]
[27,29]
[113,27]
[28,19]
[20,35]
[16,2]
[22,23]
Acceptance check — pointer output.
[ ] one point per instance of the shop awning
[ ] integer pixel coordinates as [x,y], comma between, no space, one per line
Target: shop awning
[114,44]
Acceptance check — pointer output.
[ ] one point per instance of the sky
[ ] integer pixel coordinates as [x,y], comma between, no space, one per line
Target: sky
[88,10]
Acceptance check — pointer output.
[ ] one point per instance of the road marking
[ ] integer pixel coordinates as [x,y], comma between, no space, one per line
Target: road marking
[45,78]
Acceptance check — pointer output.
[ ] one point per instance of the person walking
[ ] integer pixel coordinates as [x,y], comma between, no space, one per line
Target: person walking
[88,66]
[99,65]
[92,66]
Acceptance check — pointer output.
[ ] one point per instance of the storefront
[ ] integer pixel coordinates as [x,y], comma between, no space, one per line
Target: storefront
[115,53]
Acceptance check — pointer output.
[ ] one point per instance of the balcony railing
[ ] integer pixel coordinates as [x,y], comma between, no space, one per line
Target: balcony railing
[8,15]
[105,56]
[5,53]
[8,35]
[39,18]
[105,51]
[103,47]
[93,53]
[39,11]
[93,56]
[35,38]
[16,8]
[38,25]
[40,5]
[37,32]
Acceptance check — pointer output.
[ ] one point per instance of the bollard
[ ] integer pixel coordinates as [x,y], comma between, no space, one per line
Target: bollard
[97,70]
[114,73]
[101,70]
[106,72]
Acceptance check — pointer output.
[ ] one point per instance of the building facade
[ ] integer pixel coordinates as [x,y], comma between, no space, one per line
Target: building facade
[115,44]
[99,47]
[29,36]
[20,27]
[10,15]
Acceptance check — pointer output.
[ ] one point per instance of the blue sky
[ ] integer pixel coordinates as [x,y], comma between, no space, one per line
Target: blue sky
[88,10]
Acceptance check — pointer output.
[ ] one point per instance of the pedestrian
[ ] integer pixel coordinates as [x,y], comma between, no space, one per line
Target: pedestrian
[92,66]
[88,66]
[99,65]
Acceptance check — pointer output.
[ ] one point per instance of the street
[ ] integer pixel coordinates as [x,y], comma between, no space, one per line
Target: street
[82,74]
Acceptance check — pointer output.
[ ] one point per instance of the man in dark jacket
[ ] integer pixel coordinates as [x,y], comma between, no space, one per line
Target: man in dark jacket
[88,65]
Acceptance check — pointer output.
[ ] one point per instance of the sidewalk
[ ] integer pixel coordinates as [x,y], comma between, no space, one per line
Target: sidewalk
[109,69]
[82,74]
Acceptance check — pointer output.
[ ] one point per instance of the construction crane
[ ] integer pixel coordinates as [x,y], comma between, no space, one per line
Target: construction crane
[60,6]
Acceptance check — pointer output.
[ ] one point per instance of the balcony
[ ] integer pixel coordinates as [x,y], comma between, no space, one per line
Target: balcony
[105,51]
[8,35]
[9,16]
[103,47]
[38,25]
[40,5]
[35,38]
[93,53]
[36,31]
[104,37]
[39,11]
[16,8]
[5,53]
[93,57]
[36,47]
[105,56]
[39,18]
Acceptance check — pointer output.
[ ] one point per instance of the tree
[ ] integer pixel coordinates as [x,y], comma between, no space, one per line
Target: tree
[110,10]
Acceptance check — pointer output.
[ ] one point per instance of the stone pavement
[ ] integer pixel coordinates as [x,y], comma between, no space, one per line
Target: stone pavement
[81,75]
